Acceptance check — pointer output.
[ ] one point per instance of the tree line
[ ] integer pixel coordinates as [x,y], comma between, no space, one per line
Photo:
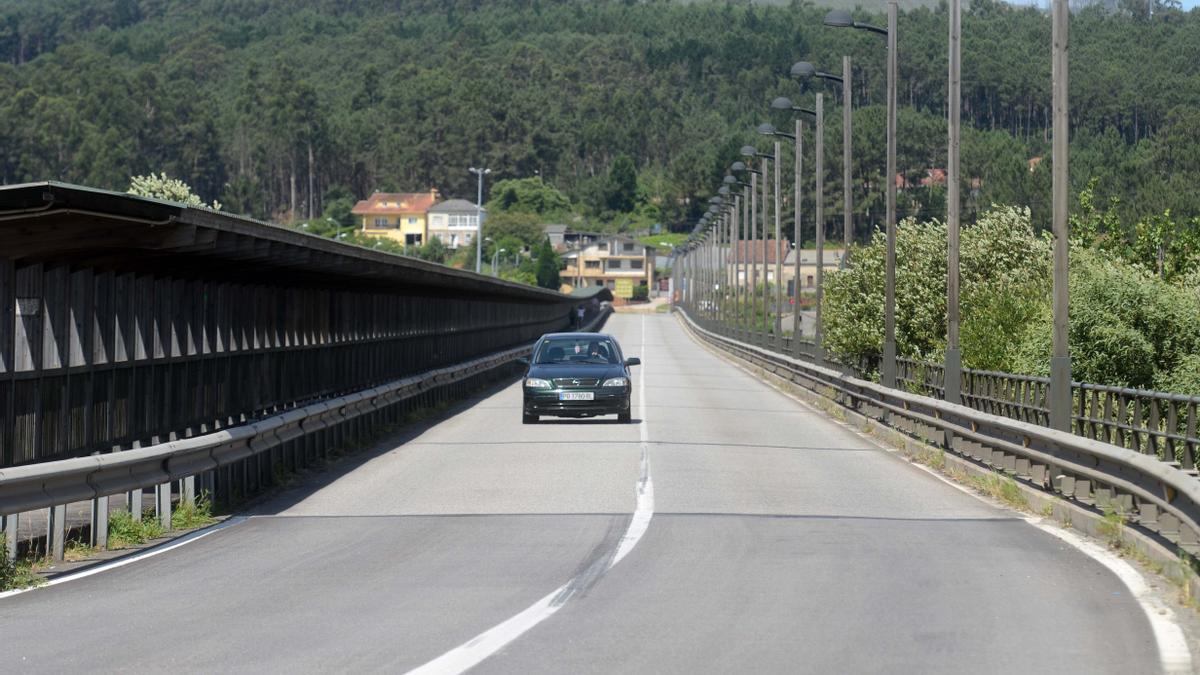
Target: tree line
[280,108]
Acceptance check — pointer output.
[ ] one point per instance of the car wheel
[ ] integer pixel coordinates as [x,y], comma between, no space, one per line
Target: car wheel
[529,419]
[624,417]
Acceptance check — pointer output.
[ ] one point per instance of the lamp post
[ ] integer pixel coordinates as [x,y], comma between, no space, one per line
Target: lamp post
[494,257]
[749,207]
[480,172]
[840,18]
[735,238]
[953,365]
[805,71]
[768,129]
[750,152]
[1060,362]
[784,103]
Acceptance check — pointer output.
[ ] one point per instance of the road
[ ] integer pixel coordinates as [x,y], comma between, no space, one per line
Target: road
[777,541]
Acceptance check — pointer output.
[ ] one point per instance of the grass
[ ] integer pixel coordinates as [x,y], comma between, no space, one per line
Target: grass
[198,513]
[15,574]
[125,532]
[76,550]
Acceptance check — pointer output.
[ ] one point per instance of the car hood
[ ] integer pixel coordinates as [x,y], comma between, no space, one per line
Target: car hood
[555,370]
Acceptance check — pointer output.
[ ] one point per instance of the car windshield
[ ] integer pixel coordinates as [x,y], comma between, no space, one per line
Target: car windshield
[577,350]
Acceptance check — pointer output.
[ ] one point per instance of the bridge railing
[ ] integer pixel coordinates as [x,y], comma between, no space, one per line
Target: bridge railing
[128,323]
[1157,423]
[1141,477]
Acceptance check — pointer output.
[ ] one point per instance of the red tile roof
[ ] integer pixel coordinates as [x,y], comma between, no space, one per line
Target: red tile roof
[396,203]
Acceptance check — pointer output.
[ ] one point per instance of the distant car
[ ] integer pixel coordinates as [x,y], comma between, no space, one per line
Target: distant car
[577,375]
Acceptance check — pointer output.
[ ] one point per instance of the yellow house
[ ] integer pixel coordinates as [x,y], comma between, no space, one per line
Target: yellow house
[401,216]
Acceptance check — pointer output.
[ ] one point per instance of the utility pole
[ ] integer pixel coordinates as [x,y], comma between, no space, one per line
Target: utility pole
[798,236]
[847,180]
[778,254]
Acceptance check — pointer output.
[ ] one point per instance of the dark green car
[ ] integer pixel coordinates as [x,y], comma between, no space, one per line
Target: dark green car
[577,375]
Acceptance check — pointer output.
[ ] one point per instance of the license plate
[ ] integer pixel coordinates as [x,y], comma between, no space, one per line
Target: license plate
[576,396]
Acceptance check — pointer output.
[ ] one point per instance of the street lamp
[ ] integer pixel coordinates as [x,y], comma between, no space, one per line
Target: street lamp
[768,129]
[479,217]
[805,71]
[1060,361]
[785,103]
[736,238]
[494,257]
[952,370]
[840,18]
[750,152]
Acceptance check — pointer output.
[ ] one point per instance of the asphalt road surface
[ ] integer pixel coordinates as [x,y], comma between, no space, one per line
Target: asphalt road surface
[777,541]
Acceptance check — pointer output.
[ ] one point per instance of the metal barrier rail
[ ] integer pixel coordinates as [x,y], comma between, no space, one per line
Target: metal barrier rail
[94,478]
[1150,422]
[1154,495]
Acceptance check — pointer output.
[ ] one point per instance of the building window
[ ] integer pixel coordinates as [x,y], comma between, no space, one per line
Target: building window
[412,221]
[412,240]
[591,264]
[599,282]
[454,241]
[810,281]
[612,285]
[636,264]
[381,222]
[628,248]
[616,264]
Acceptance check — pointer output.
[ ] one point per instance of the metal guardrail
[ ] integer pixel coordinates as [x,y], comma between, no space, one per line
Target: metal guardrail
[94,478]
[1156,423]
[1154,495]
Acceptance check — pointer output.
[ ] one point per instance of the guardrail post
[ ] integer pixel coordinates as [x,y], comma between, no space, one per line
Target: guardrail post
[100,523]
[189,490]
[57,531]
[135,505]
[162,494]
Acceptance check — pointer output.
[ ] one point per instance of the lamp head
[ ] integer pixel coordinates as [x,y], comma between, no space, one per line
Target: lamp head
[724,190]
[766,129]
[738,166]
[749,151]
[782,103]
[839,18]
[803,70]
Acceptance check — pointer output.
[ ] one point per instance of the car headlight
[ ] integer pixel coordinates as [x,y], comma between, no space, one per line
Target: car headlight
[616,382]
[537,383]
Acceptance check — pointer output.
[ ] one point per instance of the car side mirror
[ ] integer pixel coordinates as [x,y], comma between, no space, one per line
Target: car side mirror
[633,361]
[523,360]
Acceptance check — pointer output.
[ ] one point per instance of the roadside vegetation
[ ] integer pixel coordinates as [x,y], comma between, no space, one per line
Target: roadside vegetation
[1134,293]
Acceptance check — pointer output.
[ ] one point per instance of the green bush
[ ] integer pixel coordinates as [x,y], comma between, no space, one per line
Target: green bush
[1128,326]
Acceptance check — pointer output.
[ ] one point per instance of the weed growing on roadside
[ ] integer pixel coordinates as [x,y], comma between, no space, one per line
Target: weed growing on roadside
[1112,528]
[198,513]
[77,550]
[124,531]
[17,573]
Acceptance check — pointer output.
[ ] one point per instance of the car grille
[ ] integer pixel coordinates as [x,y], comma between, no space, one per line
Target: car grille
[573,382]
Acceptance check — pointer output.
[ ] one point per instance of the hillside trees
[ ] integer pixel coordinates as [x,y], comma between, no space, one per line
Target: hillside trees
[270,105]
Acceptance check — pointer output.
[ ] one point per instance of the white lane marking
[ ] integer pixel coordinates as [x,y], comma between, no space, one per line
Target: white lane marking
[472,652]
[1173,652]
[644,510]
[129,560]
